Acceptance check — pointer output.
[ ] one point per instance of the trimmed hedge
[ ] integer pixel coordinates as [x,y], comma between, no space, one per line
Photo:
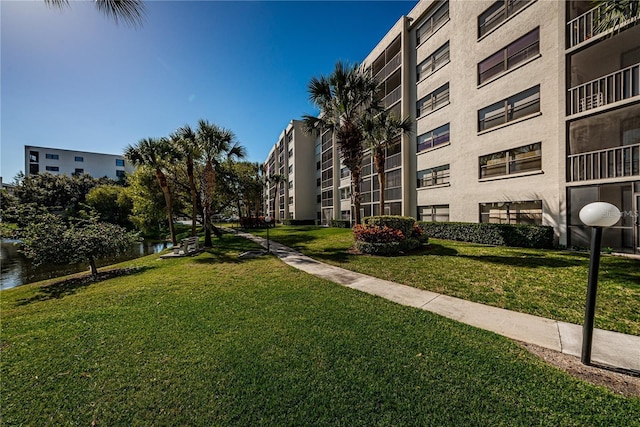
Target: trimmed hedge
[390,248]
[524,236]
[299,222]
[340,223]
[402,223]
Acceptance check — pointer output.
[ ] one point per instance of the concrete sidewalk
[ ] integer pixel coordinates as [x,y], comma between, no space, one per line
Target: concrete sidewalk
[609,348]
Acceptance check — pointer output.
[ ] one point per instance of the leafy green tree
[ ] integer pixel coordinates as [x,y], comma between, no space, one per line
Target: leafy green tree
[157,154]
[132,12]
[148,212]
[50,239]
[112,203]
[345,98]
[218,145]
[380,132]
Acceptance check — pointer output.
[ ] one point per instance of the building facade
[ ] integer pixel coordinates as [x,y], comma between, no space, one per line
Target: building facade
[291,189]
[524,112]
[59,161]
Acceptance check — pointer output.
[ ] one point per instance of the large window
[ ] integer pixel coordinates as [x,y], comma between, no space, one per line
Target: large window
[53,169]
[433,138]
[79,159]
[119,162]
[513,108]
[433,176]
[34,156]
[506,58]
[499,12]
[432,22]
[345,193]
[433,213]
[524,212]
[434,61]
[435,99]
[52,156]
[522,159]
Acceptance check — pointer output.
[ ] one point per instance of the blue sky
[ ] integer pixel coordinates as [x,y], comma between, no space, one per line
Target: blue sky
[74,79]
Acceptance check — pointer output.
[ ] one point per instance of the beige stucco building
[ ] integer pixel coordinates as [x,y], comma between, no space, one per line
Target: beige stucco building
[524,112]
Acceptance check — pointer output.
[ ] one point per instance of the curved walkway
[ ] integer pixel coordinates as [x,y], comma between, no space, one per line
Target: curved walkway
[609,348]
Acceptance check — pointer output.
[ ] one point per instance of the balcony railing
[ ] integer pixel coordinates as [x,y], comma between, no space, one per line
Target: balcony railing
[586,25]
[614,162]
[393,97]
[615,87]
[389,68]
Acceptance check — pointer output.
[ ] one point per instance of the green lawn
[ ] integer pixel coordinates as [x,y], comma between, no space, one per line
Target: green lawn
[545,283]
[211,340]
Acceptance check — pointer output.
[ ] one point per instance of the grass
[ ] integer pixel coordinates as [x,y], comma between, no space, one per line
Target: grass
[547,283]
[211,340]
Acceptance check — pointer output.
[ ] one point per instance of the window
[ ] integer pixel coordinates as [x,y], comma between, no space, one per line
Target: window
[120,174]
[318,165]
[433,213]
[318,198]
[291,153]
[521,159]
[290,169]
[436,60]
[53,169]
[432,22]
[34,169]
[80,171]
[433,176]
[79,159]
[119,162]
[435,99]
[290,200]
[344,172]
[516,107]
[318,181]
[499,12]
[345,193]
[290,184]
[433,138]
[520,50]
[33,157]
[525,212]
[52,156]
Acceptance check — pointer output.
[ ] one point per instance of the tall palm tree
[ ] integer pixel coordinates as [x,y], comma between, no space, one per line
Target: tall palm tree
[380,132]
[218,145]
[156,153]
[131,12]
[345,98]
[185,142]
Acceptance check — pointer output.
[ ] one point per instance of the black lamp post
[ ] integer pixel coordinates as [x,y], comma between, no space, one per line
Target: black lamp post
[267,220]
[597,215]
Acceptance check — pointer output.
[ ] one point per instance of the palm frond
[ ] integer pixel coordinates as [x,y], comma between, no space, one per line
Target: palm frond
[131,12]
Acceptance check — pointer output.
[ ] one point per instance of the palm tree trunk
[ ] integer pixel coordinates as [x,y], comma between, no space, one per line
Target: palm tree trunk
[162,180]
[209,185]
[382,179]
[92,266]
[194,203]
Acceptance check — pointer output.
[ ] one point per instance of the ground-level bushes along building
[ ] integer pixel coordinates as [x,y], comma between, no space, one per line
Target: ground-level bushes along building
[524,113]
[59,161]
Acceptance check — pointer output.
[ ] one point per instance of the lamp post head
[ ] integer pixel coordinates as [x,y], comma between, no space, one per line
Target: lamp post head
[599,214]
[267,219]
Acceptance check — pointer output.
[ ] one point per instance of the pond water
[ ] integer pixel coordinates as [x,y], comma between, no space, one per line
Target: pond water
[18,270]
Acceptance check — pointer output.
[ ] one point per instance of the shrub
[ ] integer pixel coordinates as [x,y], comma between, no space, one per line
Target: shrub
[299,222]
[340,223]
[403,223]
[526,236]
[377,234]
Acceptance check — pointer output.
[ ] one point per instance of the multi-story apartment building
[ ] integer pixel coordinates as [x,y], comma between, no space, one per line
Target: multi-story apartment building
[291,189]
[59,161]
[524,112]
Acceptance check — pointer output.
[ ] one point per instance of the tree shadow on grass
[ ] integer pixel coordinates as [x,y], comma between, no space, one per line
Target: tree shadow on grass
[70,286]
[528,260]
[436,250]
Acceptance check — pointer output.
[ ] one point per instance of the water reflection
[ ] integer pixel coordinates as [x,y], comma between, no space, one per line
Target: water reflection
[17,270]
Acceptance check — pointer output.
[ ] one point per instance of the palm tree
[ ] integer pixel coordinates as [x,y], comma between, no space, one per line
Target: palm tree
[380,132]
[218,145]
[156,153]
[345,98]
[277,180]
[185,142]
[132,12]
[616,14]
